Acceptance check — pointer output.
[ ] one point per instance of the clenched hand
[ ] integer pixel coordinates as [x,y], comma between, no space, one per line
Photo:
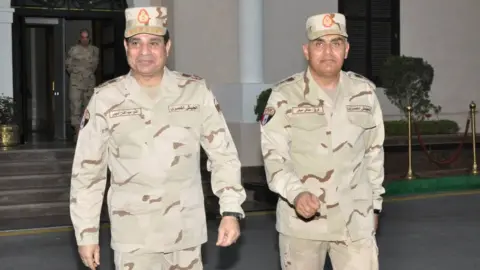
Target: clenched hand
[90,255]
[306,204]
[228,231]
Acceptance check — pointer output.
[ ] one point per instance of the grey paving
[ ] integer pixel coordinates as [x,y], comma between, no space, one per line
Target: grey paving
[431,234]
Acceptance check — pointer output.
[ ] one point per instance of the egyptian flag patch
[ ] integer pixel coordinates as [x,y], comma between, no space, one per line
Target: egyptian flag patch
[268,114]
[85,119]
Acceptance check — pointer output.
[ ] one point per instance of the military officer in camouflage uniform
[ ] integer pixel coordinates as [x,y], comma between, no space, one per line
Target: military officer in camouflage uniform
[322,141]
[147,127]
[81,63]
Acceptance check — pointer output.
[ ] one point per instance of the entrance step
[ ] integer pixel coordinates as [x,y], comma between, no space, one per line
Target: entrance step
[19,182]
[36,155]
[35,184]
[35,167]
[34,210]
[34,223]
[41,211]
[33,196]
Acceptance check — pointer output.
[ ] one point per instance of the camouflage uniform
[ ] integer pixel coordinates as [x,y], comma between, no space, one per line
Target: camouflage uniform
[152,147]
[81,65]
[332,148]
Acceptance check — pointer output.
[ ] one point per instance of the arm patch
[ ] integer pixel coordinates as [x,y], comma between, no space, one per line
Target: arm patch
[267,115]
[85,119]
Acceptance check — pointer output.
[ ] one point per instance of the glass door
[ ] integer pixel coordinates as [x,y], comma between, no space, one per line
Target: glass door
[43,68]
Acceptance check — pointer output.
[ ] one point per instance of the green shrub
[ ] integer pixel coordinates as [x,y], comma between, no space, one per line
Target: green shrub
[428,127]
[262,100]
[407,82]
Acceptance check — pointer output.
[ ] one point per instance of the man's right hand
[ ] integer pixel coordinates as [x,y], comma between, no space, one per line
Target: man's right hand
[90,255]
[306,204]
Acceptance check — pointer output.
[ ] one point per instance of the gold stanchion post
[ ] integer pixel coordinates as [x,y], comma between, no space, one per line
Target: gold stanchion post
[410,174]
[473,108]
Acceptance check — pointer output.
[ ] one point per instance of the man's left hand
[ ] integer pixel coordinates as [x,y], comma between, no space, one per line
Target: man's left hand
[228,231]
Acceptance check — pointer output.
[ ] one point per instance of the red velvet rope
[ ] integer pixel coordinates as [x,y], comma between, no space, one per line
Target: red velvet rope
[452,158]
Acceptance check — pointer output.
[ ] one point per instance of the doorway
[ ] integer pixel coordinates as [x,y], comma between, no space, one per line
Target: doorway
[41,83]
[44,80]
[102,35]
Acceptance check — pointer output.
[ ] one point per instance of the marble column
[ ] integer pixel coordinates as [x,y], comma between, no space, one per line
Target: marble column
[6,70]
[239,99]
[250,31]
[138,3]
[144,3]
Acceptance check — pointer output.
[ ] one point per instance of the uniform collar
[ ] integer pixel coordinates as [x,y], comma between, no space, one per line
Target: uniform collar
[168,87]
[314,93]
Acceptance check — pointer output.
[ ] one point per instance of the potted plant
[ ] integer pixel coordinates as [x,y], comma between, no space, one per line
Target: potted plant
[262,100]
[9,131]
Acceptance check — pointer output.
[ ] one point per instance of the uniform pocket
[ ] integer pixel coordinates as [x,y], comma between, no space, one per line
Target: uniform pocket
[362,191]
[361,120]
[188,119]
[308,132]
[129,138]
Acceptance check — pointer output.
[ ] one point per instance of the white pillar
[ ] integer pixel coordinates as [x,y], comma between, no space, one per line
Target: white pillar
[251,40]
[6,70]
[239,114]
[138,3]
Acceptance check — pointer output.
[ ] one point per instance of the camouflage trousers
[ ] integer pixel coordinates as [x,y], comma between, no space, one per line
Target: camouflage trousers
[79,98]
[302,254]
[184,259]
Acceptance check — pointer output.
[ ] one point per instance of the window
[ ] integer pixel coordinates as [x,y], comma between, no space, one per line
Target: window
[373,28]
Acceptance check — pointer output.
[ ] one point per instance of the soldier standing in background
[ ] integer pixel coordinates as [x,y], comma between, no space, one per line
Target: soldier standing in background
[322,141]
[147,128]
[81,64]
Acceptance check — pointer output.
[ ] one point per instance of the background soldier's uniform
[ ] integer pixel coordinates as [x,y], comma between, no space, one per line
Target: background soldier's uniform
[152,148]
[333,148]
[81,65]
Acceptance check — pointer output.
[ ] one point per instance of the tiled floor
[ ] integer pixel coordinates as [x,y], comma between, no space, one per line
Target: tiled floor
[437,233]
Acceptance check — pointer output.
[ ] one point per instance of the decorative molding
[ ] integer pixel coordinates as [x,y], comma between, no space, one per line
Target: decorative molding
[6,15]
[73,5]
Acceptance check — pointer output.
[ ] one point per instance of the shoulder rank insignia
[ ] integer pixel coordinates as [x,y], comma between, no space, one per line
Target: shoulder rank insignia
[190,76]
[357,76]
[289,79]
[111,81]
